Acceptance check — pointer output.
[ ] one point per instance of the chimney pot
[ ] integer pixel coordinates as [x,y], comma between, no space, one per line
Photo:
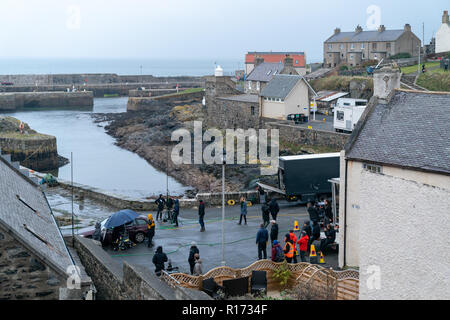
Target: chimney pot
[445,18]
[288,61]
[337,31]
[407,27]
[381,28]
[358,29]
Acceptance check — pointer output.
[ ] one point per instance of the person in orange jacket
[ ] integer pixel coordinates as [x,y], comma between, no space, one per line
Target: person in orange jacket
[151,229]
[293,237]
[289,248]
[303,245]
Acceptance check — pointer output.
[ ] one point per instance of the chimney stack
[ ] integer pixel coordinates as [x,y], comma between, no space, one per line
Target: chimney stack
[288,61]
[408,27]
[445,18]
[385,81]
[358,29]
[258,60]
[381,28]
[337,31]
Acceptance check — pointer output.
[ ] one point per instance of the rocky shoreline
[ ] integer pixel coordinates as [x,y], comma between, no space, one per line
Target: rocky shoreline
[147,133]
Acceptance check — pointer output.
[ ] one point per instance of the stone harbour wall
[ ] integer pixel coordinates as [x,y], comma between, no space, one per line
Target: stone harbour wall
[37,151]
[19,100]
[23,275]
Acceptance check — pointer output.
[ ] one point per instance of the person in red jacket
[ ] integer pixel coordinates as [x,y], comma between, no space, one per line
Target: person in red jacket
[294,241]
[303,244]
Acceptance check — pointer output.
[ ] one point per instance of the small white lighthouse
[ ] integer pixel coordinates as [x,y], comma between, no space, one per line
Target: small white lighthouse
[218,72]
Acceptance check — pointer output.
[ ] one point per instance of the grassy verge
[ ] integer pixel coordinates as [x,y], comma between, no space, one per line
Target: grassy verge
[294,148]
[192,90]
[414,68]
[435,80]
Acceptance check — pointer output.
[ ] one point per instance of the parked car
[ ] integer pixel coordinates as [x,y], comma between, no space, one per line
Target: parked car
[5,83]
[137,230]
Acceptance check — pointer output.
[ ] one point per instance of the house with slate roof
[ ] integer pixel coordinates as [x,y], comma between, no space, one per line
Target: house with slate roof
[353,48]
[298,60]
[394,202]
[261,75]
[35,262]
[284,95]
[443,35]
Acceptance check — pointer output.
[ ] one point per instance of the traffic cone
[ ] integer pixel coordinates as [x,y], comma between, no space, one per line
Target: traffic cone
[313,255]
[296,227]
[322,260]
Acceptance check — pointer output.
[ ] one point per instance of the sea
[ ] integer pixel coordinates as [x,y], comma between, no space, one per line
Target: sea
[155,67]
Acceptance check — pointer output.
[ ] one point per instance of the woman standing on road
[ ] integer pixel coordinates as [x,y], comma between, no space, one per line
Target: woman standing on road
[243,210]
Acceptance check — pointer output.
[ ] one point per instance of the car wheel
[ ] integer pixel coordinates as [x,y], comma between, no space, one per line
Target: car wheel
[139,237]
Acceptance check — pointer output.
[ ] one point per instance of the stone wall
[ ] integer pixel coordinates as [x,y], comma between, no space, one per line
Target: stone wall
[16,100]
[23,275]
[300,135]
[150,103]
[35,151]
[92,78]
[115,281]
[232,114]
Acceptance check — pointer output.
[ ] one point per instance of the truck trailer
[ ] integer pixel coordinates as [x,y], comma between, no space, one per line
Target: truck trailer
[347,114]
[305,178]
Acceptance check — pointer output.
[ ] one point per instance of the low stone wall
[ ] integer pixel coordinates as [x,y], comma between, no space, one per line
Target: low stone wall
[116,281]
[150,103]
[301,135]
[146,93]
[19,100]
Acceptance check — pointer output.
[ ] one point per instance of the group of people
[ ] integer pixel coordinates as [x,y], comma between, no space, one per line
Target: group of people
[173,209]
[195,263]
[309,235]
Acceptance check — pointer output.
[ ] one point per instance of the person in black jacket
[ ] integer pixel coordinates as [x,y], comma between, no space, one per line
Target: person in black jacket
[330,234]
[265,213]
[328,210]
[159,258]
[274,231]
[161,203]
[315,233]
[261,240]
[201,215]
[192,253]
[274,208]
[313,214]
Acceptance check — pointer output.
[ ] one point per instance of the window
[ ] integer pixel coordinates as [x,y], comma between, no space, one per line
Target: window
[141,222]
[250,85]
[330,46]
[296,61]
[341,46]
[352,46]
[362,45]
[252,109]
[340,115]
[257,86]
[388,46]
[374,46]
[372,168]
[351,57]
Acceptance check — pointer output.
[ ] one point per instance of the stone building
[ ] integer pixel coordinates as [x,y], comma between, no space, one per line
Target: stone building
[443,35]
[34,259]
[353,48]
[262,73]
[284,95]
[298,59]
[395,195]
[229,108]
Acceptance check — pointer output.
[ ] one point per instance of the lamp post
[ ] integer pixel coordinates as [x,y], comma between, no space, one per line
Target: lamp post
[223,208]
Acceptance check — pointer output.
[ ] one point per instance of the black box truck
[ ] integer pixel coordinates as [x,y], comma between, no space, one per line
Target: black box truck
[305,178]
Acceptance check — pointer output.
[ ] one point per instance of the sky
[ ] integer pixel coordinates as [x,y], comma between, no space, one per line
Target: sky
[196,29]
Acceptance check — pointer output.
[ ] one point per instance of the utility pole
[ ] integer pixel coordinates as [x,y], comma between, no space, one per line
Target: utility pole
[71,181]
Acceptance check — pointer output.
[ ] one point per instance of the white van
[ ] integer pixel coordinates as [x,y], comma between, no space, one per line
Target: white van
[347,113]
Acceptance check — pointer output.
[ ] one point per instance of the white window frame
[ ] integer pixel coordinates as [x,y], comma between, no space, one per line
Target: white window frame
[362,45]
[250,84]
[373,168]
[258,86]
[352,46]
[330,46]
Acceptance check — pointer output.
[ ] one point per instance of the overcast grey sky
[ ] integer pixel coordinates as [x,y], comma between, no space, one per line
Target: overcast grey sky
[195,28]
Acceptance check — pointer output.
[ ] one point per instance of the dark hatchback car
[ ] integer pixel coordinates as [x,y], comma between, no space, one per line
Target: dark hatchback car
[137,230]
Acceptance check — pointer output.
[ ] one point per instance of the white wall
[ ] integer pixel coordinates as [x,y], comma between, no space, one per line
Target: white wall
[273,109]
[443,38]
[297,100]
[403,232]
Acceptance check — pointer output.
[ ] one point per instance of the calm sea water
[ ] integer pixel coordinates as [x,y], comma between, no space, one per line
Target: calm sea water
[97,161]
[156,67]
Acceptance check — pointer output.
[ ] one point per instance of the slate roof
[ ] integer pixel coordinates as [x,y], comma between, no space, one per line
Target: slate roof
[411,131]
[366,36]
[280,86]
[25,213]
[265,71]
[242,97]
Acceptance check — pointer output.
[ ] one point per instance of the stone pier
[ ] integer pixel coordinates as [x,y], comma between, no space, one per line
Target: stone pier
[19,100]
